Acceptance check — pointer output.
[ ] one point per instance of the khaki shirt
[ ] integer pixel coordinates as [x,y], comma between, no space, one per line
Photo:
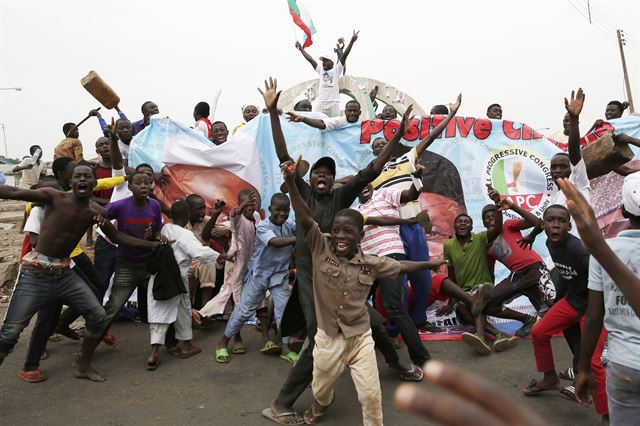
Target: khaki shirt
[341,286]
[69,147]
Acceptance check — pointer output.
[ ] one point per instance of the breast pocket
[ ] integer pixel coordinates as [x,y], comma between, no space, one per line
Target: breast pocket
[330,272]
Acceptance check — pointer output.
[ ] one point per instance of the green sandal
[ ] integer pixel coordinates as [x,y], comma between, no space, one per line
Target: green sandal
[271,348]
[238,349]
[222,355]
[291,357]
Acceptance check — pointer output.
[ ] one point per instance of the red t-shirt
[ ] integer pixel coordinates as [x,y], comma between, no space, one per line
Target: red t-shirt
[101,173]
[505,248]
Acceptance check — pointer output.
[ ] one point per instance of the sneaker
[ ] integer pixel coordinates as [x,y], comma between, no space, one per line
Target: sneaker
[525,330]
[504,342]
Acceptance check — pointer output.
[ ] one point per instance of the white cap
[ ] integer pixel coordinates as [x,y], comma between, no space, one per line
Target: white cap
[631,193]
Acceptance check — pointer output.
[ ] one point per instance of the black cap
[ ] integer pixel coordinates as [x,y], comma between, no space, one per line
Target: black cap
[325,162]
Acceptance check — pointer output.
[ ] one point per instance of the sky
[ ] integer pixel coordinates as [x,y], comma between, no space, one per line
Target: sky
[525,55]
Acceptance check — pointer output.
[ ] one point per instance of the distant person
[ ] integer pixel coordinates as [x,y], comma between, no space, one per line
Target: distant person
[388,113]
[439,110]
[301,103]
[249,112]
[330,73]
[32,168]
[352,113]
[201,115]
[70,146]
[219,133]
[148,109]
[494,112]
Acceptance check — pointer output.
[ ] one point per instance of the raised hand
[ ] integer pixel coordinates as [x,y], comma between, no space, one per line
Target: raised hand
[270,94]
[577,101]
[111,129]
[406,119]
[299,46]
[354,36]
[453,108]
[289,168]
[506,204]
[475,400]
[251,200]
[219,205]
[493,194]
[292,116]
[95,112]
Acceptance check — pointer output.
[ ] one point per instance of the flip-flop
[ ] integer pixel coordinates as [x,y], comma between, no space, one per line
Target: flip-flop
[291,357]
[569,392]
[533,389]
[414,375]
[196,350]
[271,348]
[111,340]
[568,374]
[32,376]
[277,418]
[238,349]
[476,343]
[504,342]
[312,418]
[151,366]
[296,345]
[222,355]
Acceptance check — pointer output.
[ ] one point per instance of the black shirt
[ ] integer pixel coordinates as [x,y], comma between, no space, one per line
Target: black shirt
[572,261]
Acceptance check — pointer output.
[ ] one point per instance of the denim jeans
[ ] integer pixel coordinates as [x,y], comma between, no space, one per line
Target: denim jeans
[416,249]
[87,271]
[36,290]
[104,260]
[391,293]
[128,276]
[255,286]
[623,390]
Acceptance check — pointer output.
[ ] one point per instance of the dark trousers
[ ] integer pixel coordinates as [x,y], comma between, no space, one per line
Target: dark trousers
[90,275]
[128,276]
[301,374]
[416,249]
[104,259]
[391,293]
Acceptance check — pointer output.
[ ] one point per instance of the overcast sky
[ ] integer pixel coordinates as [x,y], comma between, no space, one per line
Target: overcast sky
[526,55]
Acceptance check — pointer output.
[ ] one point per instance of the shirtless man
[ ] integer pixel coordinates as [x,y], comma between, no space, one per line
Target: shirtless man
[45,275]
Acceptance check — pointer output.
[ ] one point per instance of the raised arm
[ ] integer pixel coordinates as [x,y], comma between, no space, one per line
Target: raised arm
[496,228]
[574,108]
[208,227]
[271,96]
[627,281]
[424,143]
[346,52]
[311,122]
[529,219]
[308,57]
[114,148]
[390,148]
[303,214]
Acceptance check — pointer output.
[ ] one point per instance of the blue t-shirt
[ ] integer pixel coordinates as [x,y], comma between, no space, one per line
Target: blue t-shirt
[134,221]
[271,259]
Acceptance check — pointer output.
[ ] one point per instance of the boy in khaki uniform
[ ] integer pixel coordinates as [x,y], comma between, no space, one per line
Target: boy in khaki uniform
[342,279]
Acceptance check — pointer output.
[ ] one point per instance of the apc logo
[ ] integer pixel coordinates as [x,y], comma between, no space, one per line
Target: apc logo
[522,175]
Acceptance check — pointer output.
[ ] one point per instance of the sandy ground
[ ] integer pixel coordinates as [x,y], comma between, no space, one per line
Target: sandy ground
[200,391]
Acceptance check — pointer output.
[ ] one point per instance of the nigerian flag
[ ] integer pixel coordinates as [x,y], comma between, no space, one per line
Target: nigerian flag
[304,27]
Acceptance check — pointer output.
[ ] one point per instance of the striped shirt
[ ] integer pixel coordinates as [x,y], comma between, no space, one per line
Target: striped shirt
[382,240]
[397,174]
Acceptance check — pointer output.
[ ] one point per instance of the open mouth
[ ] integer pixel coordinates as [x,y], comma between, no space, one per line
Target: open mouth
[341,246]
[82,187]
[365,192]
[321,185]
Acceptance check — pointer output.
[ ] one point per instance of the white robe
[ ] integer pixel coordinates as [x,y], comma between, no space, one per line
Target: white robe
[185,248]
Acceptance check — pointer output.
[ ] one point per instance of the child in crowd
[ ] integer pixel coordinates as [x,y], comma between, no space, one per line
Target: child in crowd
[268,270]
[244,219]
[342,278]
[176,310]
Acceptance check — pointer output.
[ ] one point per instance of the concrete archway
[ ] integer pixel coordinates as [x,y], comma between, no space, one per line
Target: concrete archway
[357,88]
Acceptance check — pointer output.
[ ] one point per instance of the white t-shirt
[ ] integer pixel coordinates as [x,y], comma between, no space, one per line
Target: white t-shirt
[201,127]
[333,123]
[580,179]
[30,176]
[329,83]
[124,149]
[619,319]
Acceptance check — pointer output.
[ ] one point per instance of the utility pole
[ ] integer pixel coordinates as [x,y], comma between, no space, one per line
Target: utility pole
[621,43]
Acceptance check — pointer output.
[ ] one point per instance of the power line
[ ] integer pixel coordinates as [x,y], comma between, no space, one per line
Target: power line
[597,26]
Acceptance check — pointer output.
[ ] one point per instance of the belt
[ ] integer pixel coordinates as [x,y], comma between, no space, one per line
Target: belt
[54,270]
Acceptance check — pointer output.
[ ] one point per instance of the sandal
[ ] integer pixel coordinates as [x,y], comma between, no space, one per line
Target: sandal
[291,357]
[569,392]
[151,366]
[238,348]
[296,344]
[534,389]
[414,375]
[222,355]
[195,351]
[504,342]
[32,376]
[312,418]
[476,343]
[111,340]
[278,418]
[271,348]
[568,374]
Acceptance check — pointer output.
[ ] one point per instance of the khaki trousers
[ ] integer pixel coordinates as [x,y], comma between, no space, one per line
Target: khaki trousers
[331,355]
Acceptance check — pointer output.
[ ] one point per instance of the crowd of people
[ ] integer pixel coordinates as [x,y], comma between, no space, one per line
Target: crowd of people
[356,242]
